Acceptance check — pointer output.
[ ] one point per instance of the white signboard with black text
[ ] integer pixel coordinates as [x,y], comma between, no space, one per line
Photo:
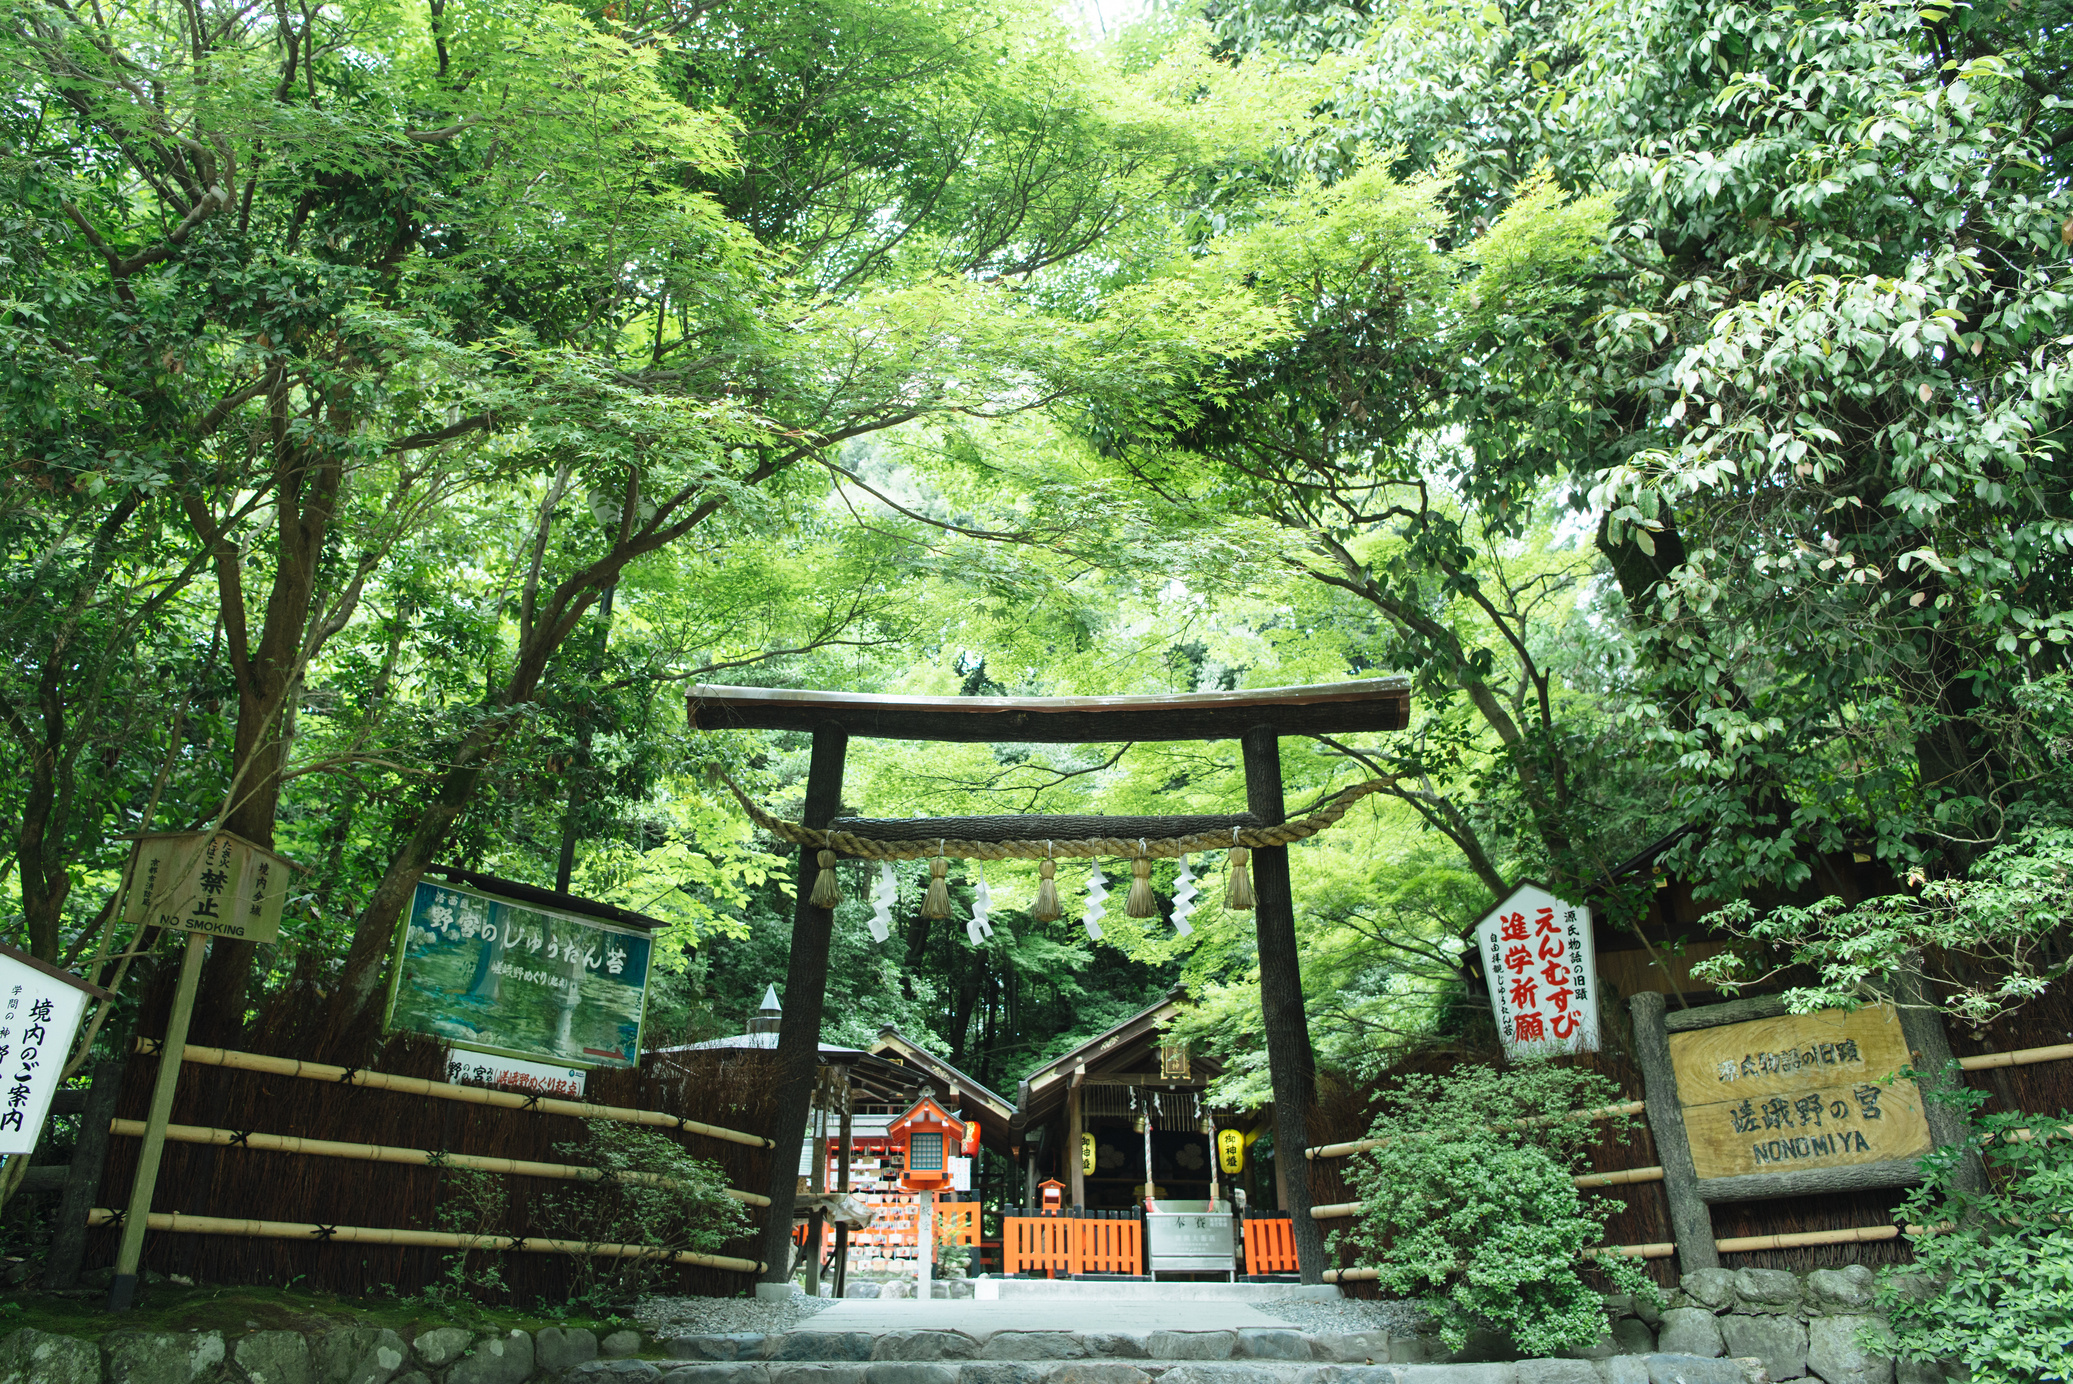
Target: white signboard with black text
[39,1014]
[1542,966]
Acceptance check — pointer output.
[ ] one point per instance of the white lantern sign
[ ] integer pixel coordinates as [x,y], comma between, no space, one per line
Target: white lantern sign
[1542,967]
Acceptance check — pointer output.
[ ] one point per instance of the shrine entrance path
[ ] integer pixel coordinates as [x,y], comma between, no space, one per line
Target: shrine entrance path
[982,1319]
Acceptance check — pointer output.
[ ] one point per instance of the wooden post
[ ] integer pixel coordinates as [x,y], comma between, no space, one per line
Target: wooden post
[816,1224]
[1691,1223]
[1029,1180]
[1290,1061]
[83,1179]
[806,986]
[842,1156]
[1075,1125]
[1929,1051]
[122,1292]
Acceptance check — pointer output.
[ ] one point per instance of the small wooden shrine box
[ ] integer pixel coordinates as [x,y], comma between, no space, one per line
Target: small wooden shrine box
[927,1134]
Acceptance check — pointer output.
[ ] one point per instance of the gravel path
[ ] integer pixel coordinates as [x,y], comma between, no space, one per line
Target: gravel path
[1347,1314]
[672,1316]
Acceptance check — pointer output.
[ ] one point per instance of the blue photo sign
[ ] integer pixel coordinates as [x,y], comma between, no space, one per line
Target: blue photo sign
[492,975]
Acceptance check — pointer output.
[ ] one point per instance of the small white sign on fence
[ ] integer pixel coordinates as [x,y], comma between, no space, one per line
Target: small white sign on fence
[1542,965]
[465,1068]
[39,1014]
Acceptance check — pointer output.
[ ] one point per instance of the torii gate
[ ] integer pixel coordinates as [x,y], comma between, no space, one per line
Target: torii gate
[1256,719]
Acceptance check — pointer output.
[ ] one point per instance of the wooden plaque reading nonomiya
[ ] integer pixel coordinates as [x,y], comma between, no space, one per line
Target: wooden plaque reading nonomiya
[1799,1092]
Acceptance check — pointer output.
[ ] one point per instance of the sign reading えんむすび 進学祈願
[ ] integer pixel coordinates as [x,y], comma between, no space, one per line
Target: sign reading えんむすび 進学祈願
[1798,1092]
[40,1011]
[1542,968]
[497,976]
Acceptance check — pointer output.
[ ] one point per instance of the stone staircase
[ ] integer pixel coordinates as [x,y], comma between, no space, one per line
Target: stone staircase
[1244,1356]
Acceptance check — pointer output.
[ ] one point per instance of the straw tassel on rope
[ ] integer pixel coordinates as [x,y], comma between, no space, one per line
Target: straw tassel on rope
[1047,909]
[936,903]
[826,892]
[1142,903]
[1238,888]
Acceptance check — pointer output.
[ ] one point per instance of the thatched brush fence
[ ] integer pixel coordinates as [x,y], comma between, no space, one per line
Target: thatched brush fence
[370,1225]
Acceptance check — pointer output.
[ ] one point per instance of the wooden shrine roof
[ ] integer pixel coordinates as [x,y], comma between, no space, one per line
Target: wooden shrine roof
[1325,709]
[1127,1054]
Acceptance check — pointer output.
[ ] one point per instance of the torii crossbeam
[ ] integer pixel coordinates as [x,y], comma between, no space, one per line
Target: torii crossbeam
[1255,718]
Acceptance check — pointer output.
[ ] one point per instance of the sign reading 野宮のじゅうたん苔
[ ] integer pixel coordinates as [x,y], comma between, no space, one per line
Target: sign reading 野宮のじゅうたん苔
[1798,1092]
[497,976]
[39,1014]
[207,881]
[1542,968]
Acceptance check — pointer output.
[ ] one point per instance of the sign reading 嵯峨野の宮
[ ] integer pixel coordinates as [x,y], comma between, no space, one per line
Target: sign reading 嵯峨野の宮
[488,974]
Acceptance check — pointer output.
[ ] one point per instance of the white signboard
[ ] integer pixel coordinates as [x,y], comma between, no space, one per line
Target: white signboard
[960,1174]
[514,1074]
[1542,966]
[213,882]
[39,1014]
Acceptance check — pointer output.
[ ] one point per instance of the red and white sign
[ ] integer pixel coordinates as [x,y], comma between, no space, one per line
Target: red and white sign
[1542,966]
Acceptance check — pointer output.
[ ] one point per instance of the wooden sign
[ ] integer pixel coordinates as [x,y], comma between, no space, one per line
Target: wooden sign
[212,882]
[1798,1092]
[40,1009]
[1542,968]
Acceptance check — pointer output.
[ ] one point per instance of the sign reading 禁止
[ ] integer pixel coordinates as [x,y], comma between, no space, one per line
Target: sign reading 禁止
[213,882]
[517,980]
[1542,967]
[1800,1091]
[40,1008]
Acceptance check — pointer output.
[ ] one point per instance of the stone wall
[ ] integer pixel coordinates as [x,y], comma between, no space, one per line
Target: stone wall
[1801,1326]
[346,1355]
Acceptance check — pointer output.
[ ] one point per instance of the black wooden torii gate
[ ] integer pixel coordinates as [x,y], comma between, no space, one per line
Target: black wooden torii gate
[1257,719]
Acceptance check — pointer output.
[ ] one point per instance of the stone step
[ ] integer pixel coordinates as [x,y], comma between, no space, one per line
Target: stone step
[1619,1369]
[1284,1345]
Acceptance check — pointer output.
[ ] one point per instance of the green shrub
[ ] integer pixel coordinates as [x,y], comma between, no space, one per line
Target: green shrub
[1469,1204]
[653,1194]
[1999,1262]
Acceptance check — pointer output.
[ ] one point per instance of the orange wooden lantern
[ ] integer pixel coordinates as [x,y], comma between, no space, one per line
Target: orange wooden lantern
[927,1134]
[1054,1196]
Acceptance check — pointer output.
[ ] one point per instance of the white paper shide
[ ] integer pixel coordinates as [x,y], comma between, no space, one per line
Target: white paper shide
[1542,966]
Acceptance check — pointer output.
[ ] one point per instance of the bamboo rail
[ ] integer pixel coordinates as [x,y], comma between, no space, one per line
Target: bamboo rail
[1604,1112]
[388,1153]
[2021,1057]
[181,1223]
[1741,1244]
[442,1090]
[1340,1209]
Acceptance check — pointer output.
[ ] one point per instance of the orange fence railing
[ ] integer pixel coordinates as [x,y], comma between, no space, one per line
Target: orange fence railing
[1102,1245]
[1037,1244]
[1270,1244]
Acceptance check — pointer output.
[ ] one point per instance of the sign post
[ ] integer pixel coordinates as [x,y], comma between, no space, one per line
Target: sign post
[206,884]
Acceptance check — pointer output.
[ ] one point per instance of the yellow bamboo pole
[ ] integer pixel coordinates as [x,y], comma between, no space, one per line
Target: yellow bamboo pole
[1741,1244]
[388,1153]
[181,1223]
[1604,1112]
[1338,1210]
[1857,1235]
[2022,1057]
[441,1090]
